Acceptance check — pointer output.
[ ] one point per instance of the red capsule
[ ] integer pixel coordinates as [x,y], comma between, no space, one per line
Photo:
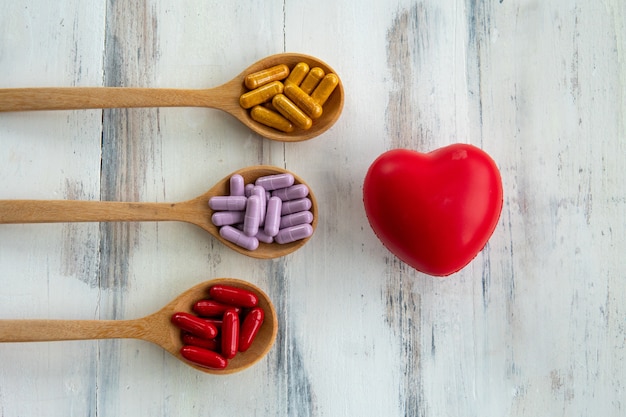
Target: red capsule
[211,308]
[250,327]
[194,325]
[230,334]
[211,344]
[233,296]
[203,357]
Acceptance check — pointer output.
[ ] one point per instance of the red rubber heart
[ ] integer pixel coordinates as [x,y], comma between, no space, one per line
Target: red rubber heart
[434,211]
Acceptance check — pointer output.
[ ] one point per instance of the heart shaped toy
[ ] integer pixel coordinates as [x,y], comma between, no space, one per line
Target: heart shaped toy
[435,211]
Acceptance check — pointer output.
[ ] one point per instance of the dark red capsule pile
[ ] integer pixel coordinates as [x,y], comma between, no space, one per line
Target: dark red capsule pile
[224,324]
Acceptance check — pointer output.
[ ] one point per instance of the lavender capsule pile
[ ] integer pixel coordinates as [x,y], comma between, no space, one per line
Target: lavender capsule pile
[272,209]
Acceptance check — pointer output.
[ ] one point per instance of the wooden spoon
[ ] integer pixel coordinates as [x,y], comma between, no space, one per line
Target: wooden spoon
[195,211]
[155,328]
[224,97]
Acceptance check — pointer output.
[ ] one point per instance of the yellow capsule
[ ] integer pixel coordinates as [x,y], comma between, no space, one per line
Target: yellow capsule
[266,76]
[270,118]
[301,99]
[291,112]
[312,79]
[325,88]
[261,94]
[298,73]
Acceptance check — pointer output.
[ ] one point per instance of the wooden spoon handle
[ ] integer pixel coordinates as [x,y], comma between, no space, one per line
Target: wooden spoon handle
[55,211]
[53,330]
[67,98]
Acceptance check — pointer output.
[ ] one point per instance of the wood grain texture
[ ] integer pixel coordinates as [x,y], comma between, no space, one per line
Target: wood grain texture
[535,325]
[49,271]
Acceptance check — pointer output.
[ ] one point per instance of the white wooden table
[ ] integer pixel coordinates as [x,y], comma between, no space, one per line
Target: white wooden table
[534,326]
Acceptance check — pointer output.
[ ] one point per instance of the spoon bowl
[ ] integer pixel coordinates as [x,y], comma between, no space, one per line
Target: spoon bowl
[156,328]
[195,211]
[332,107]
[224,97]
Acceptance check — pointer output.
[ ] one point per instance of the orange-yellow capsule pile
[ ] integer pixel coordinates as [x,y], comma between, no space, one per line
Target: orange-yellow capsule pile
[286,99]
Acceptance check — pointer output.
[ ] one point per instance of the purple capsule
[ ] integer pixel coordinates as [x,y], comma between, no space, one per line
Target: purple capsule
[274,182]
[272,216]
[292,193]
[294,219]
[239,238]
[260,191]
[247,190]
[293,233]
[294,206]
[228,203]
[222,218]
[252,216]
[236,185]
[264,237]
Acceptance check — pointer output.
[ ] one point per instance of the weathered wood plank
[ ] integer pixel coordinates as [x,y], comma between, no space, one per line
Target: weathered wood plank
[49,270]
[534,325]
